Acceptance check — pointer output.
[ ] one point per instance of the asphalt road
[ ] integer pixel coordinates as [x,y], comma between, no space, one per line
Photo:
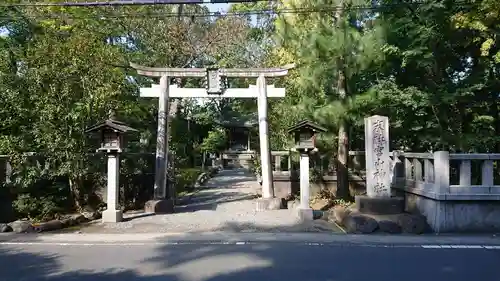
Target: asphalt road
[265,261]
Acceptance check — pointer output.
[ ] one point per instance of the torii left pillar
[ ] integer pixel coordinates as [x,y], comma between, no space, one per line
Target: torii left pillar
[163,200]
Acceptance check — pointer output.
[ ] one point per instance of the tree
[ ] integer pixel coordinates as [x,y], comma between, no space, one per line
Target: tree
[65,68]
[332,51]
[445,68]
[482,18]
[214,143]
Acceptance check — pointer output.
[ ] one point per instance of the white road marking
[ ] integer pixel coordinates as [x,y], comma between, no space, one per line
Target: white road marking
[475,247]
[492,247]
[488,247]
[315,244]
[431,247]
[459,246]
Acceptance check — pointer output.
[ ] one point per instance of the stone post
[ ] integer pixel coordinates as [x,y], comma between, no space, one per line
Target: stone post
[378,161]
[304,181]
[265,153]
[378,199]
[442,172]
[112,214]
[304,211]
[277,163]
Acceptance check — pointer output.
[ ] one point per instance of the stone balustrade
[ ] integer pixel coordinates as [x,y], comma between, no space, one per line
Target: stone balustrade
[286,176]
[443,175]
[487,189]
[281,162]
[455,191]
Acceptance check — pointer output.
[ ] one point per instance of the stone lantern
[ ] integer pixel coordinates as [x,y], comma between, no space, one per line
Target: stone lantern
[111,142]
[111,135]
[305,133]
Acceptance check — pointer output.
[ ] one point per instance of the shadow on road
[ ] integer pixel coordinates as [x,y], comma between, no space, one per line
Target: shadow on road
[211,201]
[245,262]
[225,187]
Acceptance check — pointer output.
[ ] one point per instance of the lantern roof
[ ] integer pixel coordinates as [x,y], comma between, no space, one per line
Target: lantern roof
[116,126]
[308,125]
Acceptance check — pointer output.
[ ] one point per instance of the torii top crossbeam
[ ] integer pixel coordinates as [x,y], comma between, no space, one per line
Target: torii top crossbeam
[202,72]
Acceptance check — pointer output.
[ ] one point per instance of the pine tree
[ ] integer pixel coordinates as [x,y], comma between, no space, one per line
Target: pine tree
[333,43]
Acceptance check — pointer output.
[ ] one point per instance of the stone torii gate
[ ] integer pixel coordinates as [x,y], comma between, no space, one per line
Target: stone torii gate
[163,202]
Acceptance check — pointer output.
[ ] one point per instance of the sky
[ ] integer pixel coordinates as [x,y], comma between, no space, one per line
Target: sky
[220,7]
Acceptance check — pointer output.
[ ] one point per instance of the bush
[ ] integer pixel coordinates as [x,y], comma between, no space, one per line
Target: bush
[39,196]
[315,175]
[37,209]
[186,178]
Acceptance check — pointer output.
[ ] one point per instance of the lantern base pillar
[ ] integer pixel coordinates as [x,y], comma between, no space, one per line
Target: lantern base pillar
[269,204]
[112,216]
[306,214]
[159,206]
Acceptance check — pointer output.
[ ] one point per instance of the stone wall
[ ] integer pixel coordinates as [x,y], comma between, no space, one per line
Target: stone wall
[284,184]
[444,188]
[455,216]
[451,205]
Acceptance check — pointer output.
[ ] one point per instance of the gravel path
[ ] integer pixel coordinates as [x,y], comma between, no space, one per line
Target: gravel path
[225,203]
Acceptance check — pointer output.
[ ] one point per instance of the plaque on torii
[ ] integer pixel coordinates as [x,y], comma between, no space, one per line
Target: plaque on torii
[215,89]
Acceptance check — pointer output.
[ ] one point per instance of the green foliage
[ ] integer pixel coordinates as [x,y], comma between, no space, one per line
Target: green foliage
[215,141]
[186,178]
[432,68]
[315,175]
[40,197]
[36,208]
[63,69]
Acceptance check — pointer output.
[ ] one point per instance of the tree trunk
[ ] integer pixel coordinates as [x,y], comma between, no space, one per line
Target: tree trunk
[343,145]
[342,159]
[343,141]
[203,160]
[76,194]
